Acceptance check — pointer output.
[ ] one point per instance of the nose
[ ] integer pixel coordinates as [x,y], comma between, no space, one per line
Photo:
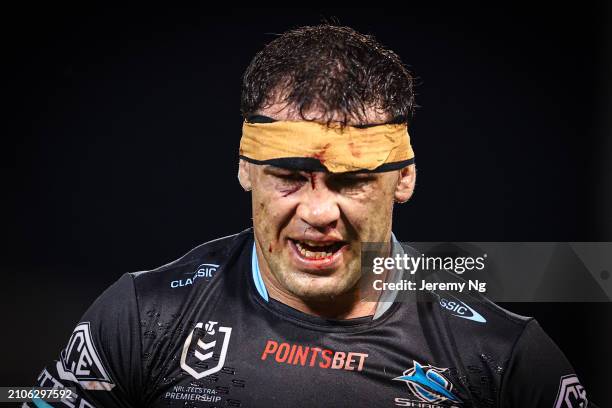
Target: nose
[318,207]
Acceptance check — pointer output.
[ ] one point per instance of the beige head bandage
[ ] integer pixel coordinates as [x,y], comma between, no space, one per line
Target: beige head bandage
[313,146]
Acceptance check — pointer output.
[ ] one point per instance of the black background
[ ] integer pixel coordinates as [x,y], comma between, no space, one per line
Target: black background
[123,130]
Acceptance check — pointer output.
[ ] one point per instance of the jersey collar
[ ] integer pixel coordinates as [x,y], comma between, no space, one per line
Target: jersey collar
[384,303]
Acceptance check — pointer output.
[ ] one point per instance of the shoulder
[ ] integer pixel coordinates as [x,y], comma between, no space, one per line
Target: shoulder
[481,331]
[479,318]
[168,286]
[198,267]
[479,308]
[463,306]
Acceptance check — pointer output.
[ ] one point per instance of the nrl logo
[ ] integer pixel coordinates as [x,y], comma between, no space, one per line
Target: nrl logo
[203,344]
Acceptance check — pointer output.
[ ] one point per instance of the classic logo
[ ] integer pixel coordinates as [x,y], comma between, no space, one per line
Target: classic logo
[80,362]
[428,384]
[571,393]
[205,270]
[204,347]
[460,309]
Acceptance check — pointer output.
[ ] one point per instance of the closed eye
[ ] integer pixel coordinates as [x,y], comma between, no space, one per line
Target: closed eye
[290,177]
[350,181]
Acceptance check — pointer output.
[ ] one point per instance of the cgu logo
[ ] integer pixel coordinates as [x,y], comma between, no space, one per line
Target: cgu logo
[203,271]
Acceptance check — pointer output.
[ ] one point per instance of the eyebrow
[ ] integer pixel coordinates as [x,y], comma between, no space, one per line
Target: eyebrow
[268,169]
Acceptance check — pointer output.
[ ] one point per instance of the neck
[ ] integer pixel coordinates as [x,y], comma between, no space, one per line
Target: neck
[346,306]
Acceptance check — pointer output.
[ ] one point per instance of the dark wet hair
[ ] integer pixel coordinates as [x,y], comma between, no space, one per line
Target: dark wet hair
[331,69]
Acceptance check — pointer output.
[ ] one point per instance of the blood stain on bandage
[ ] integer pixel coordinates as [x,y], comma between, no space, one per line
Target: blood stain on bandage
[321,153]
[270,248]
[355,151]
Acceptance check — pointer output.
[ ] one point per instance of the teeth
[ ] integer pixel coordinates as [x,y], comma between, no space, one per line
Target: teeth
[310,254]
[316,243]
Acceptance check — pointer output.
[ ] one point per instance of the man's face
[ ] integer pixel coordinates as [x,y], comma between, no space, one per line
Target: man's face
[309,225]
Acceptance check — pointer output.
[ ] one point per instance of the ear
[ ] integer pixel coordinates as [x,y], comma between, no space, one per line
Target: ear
[244,176]
[405,184]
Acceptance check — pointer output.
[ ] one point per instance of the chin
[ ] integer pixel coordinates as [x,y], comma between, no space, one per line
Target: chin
[323,289]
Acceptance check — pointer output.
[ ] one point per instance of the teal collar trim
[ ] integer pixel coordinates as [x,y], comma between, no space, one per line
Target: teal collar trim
[259,284]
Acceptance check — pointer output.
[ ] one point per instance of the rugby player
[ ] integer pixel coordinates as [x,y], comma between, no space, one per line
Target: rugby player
[273,316]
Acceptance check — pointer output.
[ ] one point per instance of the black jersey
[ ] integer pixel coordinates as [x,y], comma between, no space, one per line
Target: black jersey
[202,332]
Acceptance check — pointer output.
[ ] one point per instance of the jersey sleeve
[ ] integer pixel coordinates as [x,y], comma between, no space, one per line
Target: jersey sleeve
[539,375]
[102,358]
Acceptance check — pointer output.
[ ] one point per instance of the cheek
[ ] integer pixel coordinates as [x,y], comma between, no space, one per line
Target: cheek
[370,212]
[270,213]
[261,209]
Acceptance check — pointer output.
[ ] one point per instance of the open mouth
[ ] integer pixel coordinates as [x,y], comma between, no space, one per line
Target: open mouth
[317,250]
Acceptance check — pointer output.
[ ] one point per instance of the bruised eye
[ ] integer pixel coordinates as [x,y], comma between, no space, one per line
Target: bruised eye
[295,177]
[288,183]
[289,179]
[286,179]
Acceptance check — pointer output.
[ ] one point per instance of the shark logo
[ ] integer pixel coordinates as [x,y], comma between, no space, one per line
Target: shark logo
[428,384]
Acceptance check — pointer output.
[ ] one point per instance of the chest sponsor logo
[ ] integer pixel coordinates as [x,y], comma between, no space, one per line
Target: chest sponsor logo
[309,356]
[200,346]
[80,362]
[429,385]
[460,309]
[206,270]
[571,393]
